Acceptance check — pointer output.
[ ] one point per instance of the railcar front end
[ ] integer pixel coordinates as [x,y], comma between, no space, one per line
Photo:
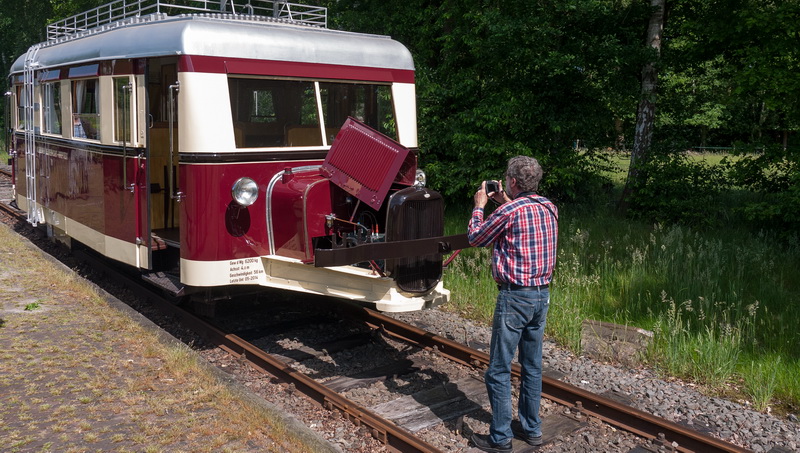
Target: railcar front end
[227,151]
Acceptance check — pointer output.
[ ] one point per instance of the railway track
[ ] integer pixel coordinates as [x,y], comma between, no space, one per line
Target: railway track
[5,188]
[396,429]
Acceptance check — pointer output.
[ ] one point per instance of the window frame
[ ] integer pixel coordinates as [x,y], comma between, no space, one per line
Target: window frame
[48,104]
[117,125]
[19,108]
[78,115]
[327,133]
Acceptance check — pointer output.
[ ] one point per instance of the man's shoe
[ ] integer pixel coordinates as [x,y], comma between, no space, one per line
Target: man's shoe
[481,441]
[531,440]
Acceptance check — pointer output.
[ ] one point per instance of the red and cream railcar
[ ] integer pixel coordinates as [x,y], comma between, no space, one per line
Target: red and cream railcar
[218,148]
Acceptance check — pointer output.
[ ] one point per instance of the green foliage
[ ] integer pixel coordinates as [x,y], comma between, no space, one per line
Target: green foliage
[695,101]
[759,187]
[734,61]
[773,175]
[673,188]
[32,306]
[498,80]
[3,152]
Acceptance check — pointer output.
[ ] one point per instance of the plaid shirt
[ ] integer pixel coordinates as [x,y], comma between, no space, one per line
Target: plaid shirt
[524,234]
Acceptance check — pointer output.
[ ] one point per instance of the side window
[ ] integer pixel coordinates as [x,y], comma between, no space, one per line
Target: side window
[52,108]
[371,104]
[85,109]
[22,101]
[274,113]
[122,109]
[262,110]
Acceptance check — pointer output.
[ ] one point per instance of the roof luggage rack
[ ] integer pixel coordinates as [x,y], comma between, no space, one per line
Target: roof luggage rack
[120,10]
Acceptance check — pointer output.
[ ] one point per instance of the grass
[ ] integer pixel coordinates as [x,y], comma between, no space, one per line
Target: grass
[723,304]
[3,152]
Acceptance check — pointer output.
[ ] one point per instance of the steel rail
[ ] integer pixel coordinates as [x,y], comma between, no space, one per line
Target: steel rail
[624,417]
[15,213]
[384,430]
[10,210]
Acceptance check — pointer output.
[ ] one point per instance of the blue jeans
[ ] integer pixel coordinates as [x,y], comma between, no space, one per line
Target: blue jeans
[519,320]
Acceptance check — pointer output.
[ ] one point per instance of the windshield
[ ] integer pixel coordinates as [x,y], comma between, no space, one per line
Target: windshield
[286,113]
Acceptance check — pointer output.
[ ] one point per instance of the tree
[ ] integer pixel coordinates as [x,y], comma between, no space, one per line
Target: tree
[496,79]
[22,23]
[646,113]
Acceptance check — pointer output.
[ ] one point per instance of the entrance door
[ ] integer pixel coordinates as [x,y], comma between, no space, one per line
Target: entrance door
[162,132]
[134,187]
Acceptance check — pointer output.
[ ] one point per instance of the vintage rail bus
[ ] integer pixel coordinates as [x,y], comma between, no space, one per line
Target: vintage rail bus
[219,148]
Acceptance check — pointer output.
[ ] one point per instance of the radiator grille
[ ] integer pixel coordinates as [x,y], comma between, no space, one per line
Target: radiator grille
[379,159]
[364,162]
[415,214]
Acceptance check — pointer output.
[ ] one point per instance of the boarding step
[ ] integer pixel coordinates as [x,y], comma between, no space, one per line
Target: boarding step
[167,282]
[165,237]
[156,243]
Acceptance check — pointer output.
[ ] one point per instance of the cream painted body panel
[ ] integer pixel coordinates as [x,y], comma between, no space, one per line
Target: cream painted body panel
[346,282]
[117,249]
[405,107]
[206,124]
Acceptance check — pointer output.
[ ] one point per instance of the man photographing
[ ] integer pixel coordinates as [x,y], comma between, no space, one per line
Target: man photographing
[524,231]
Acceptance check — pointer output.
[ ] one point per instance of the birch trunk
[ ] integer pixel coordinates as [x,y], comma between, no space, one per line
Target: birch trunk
[646,113]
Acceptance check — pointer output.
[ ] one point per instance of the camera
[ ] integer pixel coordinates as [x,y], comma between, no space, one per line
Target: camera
[492,186]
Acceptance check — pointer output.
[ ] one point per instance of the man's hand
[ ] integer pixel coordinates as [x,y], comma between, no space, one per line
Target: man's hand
[481,198]
[500,196]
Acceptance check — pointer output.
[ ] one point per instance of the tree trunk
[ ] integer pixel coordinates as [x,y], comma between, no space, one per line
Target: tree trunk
[619,141]
[646,113]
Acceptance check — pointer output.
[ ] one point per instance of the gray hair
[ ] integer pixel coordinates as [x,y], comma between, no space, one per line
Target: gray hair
[527,171]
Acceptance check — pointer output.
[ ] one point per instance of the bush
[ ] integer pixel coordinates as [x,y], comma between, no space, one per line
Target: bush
[569,175]
[773,175]
[672,188]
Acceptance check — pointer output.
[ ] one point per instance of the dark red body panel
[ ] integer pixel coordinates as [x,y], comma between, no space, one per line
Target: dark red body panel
[300,203]
[214,227]
[85,184]
[222,65]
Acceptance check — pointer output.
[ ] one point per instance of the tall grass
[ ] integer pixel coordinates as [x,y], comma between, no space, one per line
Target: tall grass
[3,151]
[724,304]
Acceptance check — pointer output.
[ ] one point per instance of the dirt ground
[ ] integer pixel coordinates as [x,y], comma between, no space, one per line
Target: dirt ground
[80,373]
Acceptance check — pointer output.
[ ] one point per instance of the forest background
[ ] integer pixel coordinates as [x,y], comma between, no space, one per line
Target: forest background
[695,238]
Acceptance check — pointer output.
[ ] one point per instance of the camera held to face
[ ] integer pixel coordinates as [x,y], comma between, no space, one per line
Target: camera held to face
[492,186]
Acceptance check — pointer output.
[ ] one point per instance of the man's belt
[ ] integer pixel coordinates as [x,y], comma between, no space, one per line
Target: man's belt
[513,287]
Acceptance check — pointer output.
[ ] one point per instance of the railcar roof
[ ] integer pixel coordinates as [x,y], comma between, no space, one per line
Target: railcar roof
[225,37]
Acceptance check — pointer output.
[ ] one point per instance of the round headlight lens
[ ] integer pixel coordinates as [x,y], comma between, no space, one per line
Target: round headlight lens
[245,191]
[420,180]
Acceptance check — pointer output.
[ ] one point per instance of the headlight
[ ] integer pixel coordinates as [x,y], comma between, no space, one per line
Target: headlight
[420,179]
[245,191]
